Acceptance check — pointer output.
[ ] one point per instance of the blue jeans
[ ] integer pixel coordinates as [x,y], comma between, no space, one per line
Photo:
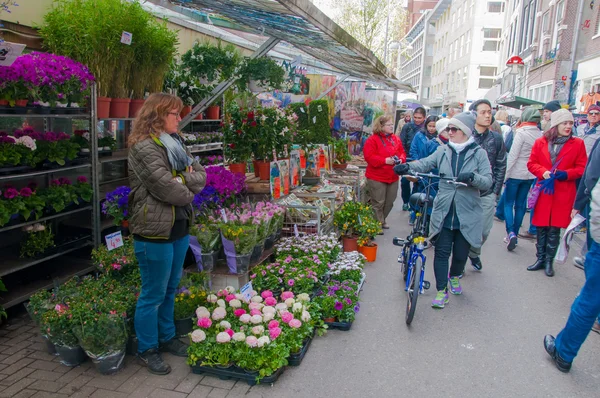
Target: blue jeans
[500,207]
[161,266]
[515,203]
[585,309]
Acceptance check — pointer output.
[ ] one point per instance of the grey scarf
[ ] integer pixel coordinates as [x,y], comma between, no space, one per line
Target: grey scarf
[178,157]
[555,146]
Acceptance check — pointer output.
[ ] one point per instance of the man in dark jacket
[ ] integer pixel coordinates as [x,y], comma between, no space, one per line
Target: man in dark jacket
[406,136]
[493,144]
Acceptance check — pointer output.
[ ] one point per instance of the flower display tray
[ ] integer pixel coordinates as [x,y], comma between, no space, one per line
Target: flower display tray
[344,326]
[296,359]
[233,372]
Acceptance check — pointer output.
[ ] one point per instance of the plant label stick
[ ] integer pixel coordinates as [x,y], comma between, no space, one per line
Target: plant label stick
[246,291]
[223,215]
[114,240]
[296,230]
[126,38]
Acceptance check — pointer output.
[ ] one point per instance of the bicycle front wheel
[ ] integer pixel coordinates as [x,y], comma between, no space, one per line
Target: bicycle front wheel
[413,290]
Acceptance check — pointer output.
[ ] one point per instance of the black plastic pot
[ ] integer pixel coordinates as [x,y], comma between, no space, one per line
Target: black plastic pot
[183,326]
[256,253]
[70,356]
[344,326]
[111,363]
[235,373]
[50,347]
[132,345]
[296,358]
[270,241]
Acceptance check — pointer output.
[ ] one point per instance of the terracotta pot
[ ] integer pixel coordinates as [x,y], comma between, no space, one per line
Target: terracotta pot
[340,166]
[212,112]
[185,111]
[239,168]
[103,110]
[255,166]
[330,320]
[21,103]
[370,252]
[3,102]
[350,243]
[200,116]
[264,169]
[119,108]
[135,107]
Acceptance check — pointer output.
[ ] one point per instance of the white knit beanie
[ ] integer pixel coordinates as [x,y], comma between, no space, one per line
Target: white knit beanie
[559,116]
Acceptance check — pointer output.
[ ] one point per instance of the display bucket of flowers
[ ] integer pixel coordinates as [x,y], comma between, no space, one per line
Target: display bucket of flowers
[57,323]
[189,296]
[205,242]
[238,235]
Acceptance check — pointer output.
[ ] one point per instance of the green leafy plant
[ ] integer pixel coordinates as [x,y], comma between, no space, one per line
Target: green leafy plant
[301,111]
[339,300]
[107,140]
[57,325]
[265,70]
[39,239]
[187,300]
[213,63]
[117,263]
[341,154]
[319,121]
[101,334]
[208,235]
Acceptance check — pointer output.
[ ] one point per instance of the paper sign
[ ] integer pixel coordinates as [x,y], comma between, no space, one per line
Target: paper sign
[9,52]
[114,240]
[319,108]
[126,38]
[223,215]
[314,119]
[296,230]
[246,291]
[296,80]
[302,110]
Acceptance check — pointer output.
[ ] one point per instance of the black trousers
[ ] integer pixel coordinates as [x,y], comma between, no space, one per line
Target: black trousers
[405,190]
[449,241]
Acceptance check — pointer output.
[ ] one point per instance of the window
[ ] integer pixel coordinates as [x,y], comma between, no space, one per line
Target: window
[468,44]
[532,24]
[465,74]
[489,71]
[451,50]
[597,28]
[453,18]
[495,6]
[525,32]
[462,44]
[546,23]
[459,12]
[492,33]
[557,21]
[456,49]
[486,83]
[471,7]
[491,38]
[491,45]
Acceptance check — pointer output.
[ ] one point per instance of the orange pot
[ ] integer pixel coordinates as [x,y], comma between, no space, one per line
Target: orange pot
[370,252]
[184,112]
[264,169]
[350,243]
[21,103]
[239,168]
[135,107]
[212,112]
[200,116]
[103,107]
[119,108]
[330,320]
[255,166]
[340,166]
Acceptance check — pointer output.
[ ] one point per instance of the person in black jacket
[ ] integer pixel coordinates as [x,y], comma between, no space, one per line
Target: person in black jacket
[493,144]
[406,136]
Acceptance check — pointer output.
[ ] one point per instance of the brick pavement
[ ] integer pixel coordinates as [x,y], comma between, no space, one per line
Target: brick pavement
[28,371]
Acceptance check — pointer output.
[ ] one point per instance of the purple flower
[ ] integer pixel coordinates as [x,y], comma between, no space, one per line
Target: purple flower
[356,307]
[281,271]
[11,193]
[348,301]
[291,282]
[82,179]
[338,306]
[26,192]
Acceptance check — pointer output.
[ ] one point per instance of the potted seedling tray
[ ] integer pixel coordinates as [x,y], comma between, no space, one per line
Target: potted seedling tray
[296,358]
[235,373]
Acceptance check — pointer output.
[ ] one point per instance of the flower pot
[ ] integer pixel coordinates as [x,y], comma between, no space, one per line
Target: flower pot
[257,252]
[183,326]
[212,112]
[50,347]
[185,111]
[350,243]
[70,356]
[132,345]
[264,169]
[340,166]
[242,263]
[255,167]
[125,228]
[332,319]
[110,363]
[239,168]
[103,110]
[200,116]
[135,107]
[370,252]
[3,102]
[209,260]
[119,108]
[21,103]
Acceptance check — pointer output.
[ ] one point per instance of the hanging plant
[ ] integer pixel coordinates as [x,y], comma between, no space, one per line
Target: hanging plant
[266,71]
[212,63]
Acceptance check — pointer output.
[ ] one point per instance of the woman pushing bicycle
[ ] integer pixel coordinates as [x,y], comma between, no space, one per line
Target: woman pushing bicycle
[456,218]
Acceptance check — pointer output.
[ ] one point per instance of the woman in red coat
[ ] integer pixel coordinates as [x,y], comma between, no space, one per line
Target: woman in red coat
[380,150]
[557,160]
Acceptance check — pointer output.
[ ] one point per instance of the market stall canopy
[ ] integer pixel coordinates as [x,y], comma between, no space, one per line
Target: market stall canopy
[301,24]
[514,101]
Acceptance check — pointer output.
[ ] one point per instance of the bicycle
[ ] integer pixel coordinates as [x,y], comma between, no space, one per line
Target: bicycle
[411,257]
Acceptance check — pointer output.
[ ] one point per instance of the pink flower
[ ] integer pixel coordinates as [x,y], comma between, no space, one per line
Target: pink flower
[245,318]
[252,276]
[229,297]
[266,293]
[273,324]
[263,272]
[239,312]
[291,282]
[286,317]
[287,295]
[229,332]
[270,301]
[281,271]
[288,260]
[295,323]
[275,332]
[204,323]
[252,341]
[255,312]
[116,266]
[82,179]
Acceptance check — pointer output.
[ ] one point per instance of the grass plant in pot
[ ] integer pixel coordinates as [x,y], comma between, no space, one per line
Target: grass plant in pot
[341,156]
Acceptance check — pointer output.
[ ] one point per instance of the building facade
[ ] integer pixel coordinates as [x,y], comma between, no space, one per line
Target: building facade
[587,57]
[415,10]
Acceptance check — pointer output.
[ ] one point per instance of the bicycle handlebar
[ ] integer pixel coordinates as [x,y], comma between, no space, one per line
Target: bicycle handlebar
[449,180]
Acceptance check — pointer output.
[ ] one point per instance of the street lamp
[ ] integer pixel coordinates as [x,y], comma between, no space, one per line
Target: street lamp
[516,64]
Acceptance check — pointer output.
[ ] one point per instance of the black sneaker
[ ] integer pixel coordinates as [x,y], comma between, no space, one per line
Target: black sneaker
[476,263]
[175,347]
[153,361]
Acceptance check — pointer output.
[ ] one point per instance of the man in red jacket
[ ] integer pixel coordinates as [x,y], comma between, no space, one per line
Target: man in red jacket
[382,150]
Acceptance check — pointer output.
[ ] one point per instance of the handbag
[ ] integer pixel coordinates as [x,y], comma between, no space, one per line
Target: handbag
[535,190]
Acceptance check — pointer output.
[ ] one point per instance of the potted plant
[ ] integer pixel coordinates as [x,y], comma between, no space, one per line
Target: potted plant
[261,74]
[367,230]
[347,220]
[339,302]
[115,205]
[82,138]
[239,238]
[107,142]
[39,239]
[238,133]
[119,263]
[55,148]
[341,156]
[189,297]
[59,327]
[209,240]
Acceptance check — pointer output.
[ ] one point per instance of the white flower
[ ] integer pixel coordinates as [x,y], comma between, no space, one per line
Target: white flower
[256,319]
[219,313]
[268,309]
[245,318]
[239,296]
[211,298]
[38,227]
[183,84]
[264,340]
[221,303]
[305,316]
[281,306]
[27,141]
[198,336]
[258,330]
[86,135]
[268,316]
[304,297]
[223,337]
[257,299]
[297,307]
[289,302]
[225,325]
[235,303]
[202,312]
[230,289]
[239,336]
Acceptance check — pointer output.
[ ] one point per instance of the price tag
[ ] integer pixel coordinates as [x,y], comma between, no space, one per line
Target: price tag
[296,80]
[296,230]
[114,240]
[246,291]
[302,110]
[314,119]
[126,38]
[223,215]
[285,151]
[319,108]
[360,220]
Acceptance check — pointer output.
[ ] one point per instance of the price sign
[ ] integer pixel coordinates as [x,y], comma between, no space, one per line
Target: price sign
[246,291]
[302,110]
[223,215]
[314,119]
[126,38]
[114,240]
[296,233]
[319,108]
